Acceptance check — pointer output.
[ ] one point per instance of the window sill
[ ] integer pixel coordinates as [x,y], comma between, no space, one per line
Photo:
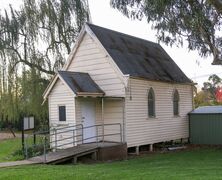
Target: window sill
[62,123]
[176,116]
[151,117]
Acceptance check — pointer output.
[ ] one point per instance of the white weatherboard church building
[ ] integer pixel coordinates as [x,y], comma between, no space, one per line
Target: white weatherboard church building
[111,77]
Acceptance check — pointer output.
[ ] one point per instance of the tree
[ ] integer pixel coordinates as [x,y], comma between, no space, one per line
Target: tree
[32,85]
[196,21]
[207,96]
[41,33]
[212,85]
[34,42]
[202,98]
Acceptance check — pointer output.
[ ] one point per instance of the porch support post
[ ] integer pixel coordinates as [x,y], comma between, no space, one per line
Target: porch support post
[102,119]
[151,148]
[124,119]
[137,150]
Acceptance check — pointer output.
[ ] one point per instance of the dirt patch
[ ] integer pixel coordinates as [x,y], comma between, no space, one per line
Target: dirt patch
[187,147]
[7,135]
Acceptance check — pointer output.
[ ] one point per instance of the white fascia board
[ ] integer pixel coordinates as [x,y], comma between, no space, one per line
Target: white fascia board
[50,86]
[74,49]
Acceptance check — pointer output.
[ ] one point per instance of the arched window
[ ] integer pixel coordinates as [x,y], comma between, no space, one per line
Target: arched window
[151,103]
[176,99]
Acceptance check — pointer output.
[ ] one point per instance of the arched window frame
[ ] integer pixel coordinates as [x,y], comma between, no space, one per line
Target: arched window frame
[151,103]
[176,100]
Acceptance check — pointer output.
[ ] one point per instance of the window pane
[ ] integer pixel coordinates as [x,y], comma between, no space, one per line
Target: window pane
[151,108]
[175,108]
[151,103]
[176,103]
[62,113]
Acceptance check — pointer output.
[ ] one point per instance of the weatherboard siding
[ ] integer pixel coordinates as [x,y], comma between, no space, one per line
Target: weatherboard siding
[59,96]
[140,129]
[91,58]
[113,113]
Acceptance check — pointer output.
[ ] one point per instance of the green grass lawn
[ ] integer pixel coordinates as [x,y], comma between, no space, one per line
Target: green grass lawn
[8,148]
[205,163]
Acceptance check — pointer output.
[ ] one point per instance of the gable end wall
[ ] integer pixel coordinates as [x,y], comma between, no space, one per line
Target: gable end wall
[90,58]
[61,95]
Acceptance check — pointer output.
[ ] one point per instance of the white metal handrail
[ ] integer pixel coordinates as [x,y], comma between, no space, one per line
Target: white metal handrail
[49,144]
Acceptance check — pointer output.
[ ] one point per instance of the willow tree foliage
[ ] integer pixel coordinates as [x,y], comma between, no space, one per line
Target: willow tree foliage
[41,33]
[34,42]
[196,21]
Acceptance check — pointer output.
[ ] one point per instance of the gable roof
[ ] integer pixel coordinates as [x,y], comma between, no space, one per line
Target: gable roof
[132,56]
[138,57]
[80,83]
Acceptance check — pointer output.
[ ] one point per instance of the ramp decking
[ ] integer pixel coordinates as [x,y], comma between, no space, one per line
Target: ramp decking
[65,154]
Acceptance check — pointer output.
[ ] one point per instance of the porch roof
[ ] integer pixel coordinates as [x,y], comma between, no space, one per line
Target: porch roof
[81,83]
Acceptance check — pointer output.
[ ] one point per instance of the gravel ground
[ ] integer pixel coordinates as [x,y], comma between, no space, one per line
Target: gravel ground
[7,135]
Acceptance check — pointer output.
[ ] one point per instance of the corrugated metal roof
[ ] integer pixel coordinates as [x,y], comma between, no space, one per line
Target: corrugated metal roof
[207,110]
[80,82]
[138,57]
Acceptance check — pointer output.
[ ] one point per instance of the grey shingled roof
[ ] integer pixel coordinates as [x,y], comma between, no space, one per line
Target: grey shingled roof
[207,110]
[80,82]
[138,57]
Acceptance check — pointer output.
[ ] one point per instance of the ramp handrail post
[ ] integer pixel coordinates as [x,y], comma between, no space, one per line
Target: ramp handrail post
[34,138]
[73,137]
[97,138]
[26,150]
[103,135]
[55,130]
[44,149]
[103,120]
[82,133]
[103,130]
[121,135]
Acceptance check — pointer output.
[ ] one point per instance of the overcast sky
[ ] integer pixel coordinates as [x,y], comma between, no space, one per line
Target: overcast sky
[190,62]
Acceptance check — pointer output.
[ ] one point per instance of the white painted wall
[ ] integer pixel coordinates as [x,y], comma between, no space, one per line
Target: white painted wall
[113,113]
[59,96]
[140,129]
[91,58]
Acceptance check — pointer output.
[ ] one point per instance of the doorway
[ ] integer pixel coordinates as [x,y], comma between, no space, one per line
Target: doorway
[88,119]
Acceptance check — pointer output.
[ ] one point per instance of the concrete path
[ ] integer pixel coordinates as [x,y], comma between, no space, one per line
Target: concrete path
[16,163]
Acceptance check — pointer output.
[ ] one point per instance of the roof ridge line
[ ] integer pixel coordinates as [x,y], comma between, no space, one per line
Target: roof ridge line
[130,36]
